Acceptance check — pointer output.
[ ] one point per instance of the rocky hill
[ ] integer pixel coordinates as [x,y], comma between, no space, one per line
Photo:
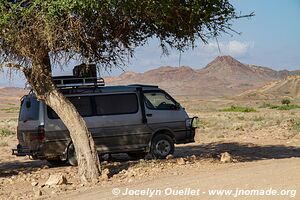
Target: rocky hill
[11,95]
[221,77]
[288,87]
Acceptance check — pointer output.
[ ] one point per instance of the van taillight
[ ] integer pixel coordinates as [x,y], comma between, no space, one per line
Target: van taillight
[41,133]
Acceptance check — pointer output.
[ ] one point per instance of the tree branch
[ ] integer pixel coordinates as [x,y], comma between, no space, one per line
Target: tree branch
[25,70]
[12,66]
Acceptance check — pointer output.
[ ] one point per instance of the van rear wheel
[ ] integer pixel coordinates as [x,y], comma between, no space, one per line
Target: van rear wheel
[72,159]
[161,146]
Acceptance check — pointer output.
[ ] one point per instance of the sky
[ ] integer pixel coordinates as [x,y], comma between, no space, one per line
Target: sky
[271,38]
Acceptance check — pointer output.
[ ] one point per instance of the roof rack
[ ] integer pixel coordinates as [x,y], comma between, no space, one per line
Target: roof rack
[75,82]
[141,85]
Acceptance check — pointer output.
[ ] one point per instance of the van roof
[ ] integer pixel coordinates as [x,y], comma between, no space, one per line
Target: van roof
[101,89]
[108,89]
[74,85]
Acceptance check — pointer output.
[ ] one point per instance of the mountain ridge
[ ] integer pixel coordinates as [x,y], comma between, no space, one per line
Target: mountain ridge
[221,77]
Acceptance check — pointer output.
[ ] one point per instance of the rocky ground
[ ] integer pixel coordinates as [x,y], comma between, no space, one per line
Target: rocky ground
[224,140]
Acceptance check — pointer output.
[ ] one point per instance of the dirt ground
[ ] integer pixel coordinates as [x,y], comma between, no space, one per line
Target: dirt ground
[264,147]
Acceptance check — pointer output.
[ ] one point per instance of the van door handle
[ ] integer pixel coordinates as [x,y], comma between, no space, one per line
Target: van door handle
[149,115]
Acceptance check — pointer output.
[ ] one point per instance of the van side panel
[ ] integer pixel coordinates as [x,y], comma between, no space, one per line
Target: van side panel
[119,133]
[110,133]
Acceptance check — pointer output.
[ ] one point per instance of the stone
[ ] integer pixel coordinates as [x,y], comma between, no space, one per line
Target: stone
[38,193]
[104,175]
[180,161]
[34,183]
[169,157]
[193,158]
[56,179]
[226,157]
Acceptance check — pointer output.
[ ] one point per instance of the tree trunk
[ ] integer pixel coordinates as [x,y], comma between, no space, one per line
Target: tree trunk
[40,79]
[87,157]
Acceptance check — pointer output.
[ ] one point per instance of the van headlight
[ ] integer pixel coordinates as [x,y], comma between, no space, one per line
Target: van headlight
[188,122]
[191,122]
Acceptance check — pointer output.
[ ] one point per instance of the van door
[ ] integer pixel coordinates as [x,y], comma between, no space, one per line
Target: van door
[163,112]
[117,126]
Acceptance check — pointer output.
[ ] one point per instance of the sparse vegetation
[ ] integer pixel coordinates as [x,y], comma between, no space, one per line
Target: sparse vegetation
[6,132]
[252,95]
[295,126]
[287,107]
[10,110]
[257,118]
[238,109]
[285,102]
[198,123]
[266,105]
[3,144]
[280,107]
[240,118]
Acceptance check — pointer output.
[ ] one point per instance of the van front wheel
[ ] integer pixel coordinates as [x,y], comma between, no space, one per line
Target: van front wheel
[72,159]
[161,146]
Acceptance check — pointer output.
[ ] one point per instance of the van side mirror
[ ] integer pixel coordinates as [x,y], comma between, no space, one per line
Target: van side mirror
[177,106]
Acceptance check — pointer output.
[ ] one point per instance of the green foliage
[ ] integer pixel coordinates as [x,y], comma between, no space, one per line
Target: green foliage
[285,102]
[281,107]
[6,132]
[287,107]
[238,109]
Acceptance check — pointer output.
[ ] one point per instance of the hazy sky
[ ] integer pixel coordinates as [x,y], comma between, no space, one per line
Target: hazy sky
[271,38]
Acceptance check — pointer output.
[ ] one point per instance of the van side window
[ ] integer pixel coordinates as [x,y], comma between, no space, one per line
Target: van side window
[82,104]
[116,104]
[159,101]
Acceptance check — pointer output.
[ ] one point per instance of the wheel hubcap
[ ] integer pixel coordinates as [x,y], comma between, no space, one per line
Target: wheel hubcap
[163,147]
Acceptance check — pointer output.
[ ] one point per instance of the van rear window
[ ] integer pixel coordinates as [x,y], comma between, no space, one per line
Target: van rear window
[29,109]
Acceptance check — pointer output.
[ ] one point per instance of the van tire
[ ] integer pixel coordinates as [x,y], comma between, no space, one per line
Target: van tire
[162,145]
[72,159]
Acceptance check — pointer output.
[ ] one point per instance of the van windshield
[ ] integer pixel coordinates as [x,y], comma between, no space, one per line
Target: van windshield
[29,109]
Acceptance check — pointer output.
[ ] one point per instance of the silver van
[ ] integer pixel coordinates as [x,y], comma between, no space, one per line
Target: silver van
[133,119]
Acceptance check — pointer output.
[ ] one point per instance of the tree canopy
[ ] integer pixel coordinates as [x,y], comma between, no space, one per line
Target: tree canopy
[105,31]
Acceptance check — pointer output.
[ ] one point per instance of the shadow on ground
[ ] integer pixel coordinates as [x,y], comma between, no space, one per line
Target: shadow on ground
[14,167]
[243,152]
